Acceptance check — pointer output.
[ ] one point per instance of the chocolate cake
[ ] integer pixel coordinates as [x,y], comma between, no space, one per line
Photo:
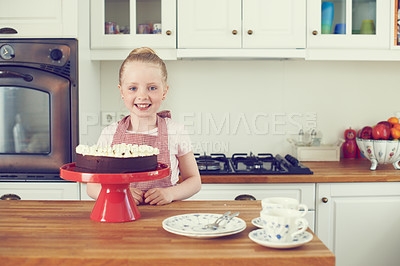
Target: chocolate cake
[121,158]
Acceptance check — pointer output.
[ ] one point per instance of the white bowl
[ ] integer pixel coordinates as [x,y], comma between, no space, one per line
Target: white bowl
[380,151]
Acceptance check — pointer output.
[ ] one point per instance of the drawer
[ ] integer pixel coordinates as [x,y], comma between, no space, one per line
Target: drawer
[41,190]
[303,192]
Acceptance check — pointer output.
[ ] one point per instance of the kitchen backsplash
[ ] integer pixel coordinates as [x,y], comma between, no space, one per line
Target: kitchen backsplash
[242,106]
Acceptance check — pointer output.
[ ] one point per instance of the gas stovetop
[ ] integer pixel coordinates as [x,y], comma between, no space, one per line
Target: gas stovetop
[243,163]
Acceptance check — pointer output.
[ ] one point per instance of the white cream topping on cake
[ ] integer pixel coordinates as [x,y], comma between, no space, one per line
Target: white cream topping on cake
[122,150]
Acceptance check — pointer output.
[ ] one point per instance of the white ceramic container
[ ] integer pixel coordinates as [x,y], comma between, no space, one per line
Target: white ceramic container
[283,203]
[380,151]
[282,225]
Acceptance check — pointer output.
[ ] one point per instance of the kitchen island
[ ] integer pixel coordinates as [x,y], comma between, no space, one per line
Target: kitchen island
[61,233]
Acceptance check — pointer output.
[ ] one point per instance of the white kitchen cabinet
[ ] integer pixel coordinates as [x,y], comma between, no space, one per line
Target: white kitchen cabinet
[84,195]
[349,28]
[39,19]
[241,24]
[359,222]
[41,190]
[209,24]
[127,24]
[303,192]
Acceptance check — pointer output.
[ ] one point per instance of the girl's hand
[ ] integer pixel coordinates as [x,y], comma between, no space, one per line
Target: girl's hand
[137,195]
[158,196]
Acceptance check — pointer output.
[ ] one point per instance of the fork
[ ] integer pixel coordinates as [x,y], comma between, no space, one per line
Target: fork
[215,224]
[230,217]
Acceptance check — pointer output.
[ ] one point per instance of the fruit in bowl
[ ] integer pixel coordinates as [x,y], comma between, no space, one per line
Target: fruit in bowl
[380,144]
[381,131]
[365,133]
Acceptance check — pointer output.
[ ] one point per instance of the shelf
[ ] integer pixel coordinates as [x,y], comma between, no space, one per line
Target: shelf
[353,54]
[241,53]
[121,54]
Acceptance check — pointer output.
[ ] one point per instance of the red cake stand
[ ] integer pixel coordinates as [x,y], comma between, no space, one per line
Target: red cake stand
[115,203]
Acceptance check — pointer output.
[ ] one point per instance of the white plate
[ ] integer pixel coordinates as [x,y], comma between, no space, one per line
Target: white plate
[259,236]
[257,222]
[194,223]
[204,235]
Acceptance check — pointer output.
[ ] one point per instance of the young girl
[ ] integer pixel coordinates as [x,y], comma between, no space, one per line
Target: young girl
[143,87]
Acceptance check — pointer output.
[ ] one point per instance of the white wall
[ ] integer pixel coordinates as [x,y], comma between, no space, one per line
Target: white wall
[254,105]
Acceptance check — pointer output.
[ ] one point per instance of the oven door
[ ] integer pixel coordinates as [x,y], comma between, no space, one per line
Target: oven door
[35,120]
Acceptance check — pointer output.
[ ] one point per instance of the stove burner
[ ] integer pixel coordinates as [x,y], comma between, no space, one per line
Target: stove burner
[208,164]
[243,163]
[251,163]
[215,162]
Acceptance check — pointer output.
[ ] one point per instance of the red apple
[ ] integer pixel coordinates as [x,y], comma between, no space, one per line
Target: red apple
[381,131]
[365,133]
[386,123]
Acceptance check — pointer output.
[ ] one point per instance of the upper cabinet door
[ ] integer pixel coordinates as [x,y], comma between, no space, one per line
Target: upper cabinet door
[348,24]
[39,19]
[128,24]
[242,24]
[209,23]
[274,23]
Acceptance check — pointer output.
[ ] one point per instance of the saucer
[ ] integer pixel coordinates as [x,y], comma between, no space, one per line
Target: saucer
[259,236]
[257,222]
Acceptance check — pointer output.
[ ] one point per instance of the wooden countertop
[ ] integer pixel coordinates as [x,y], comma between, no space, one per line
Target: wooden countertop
[346,170]
[61,233]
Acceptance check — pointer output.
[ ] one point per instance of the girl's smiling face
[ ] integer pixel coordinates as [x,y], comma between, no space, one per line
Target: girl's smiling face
[142,89]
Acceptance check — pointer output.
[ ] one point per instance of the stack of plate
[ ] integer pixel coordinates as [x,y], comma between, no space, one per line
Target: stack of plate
[193,225]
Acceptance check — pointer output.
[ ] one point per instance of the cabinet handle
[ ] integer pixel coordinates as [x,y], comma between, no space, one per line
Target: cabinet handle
[8,31]
[245,197]
[10,197]
[314,32]
[249,32]
[234,32]
[324,199]
[168,32]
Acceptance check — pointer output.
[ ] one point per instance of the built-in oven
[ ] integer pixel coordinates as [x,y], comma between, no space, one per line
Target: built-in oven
[38,107]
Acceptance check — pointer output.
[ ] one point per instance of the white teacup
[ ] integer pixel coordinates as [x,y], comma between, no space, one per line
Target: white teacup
[283,203]
[282,225]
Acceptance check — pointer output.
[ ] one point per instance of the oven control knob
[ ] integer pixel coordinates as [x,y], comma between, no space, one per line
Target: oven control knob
[56,54]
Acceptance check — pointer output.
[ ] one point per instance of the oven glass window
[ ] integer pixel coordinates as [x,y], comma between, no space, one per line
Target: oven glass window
[24,120]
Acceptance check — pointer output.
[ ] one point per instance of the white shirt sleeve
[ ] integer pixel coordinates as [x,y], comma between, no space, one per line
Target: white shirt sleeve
[179,144]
